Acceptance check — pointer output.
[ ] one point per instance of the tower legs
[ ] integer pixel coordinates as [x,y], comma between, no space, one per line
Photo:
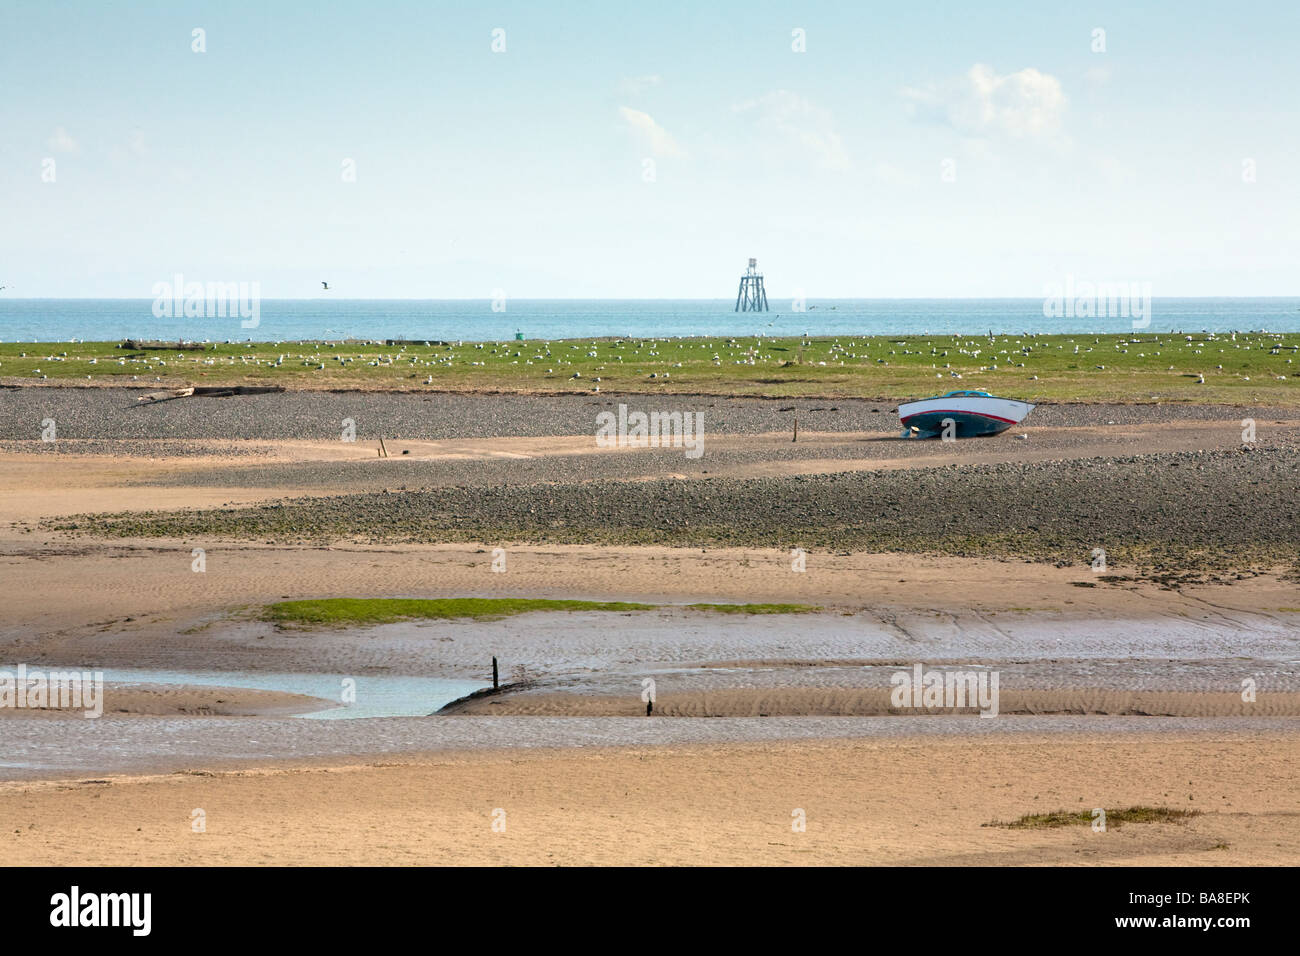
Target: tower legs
[751,296]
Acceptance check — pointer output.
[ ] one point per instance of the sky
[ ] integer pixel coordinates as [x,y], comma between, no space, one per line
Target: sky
[599,150]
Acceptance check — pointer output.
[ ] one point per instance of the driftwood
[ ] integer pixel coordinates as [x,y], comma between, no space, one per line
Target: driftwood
[216,391]
[139,345]
[209,391]
[166,396]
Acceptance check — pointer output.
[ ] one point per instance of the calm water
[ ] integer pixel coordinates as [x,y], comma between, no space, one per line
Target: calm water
[376,696]
[29,320]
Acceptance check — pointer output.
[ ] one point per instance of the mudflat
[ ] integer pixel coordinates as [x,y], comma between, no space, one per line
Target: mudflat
[1160,673]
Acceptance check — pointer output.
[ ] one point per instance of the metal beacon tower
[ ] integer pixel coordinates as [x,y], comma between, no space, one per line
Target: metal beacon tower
[751,297]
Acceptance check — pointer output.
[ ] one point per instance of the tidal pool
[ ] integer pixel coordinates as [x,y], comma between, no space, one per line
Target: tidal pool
[372,695]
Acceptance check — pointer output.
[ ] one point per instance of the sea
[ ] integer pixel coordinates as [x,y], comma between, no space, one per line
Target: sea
[276,320]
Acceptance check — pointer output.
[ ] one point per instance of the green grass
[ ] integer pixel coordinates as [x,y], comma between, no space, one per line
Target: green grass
[1114,818]
[339,611]
[756,608]
[342,611]
[1134,368]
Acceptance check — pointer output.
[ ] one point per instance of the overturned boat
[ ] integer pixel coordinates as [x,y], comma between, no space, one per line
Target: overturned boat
[971,413]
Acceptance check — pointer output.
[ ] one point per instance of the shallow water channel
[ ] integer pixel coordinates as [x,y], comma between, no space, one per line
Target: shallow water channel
[374,696]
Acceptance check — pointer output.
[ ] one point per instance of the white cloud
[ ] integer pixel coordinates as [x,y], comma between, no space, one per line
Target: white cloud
[655,136]
[1025,104]
[639,84]
[61,142]
[801,122]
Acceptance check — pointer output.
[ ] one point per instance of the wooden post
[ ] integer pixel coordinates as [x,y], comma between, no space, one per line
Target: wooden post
[796,429]
[496,683]
[383,448]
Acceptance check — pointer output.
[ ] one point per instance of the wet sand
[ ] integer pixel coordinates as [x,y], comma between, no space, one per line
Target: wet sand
[896,801]
[789,701]
[1116,688]
[806,676]
[172,700]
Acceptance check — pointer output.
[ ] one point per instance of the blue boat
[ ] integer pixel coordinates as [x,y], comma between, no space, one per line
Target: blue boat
[961,414]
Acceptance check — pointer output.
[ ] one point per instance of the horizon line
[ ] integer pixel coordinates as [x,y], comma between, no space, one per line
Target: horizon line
[489,298]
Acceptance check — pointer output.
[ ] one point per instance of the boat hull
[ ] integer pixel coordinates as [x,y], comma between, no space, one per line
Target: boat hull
[971,416]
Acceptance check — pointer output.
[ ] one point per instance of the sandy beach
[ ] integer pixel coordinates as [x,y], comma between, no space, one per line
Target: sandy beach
[1120,686]
[896,802]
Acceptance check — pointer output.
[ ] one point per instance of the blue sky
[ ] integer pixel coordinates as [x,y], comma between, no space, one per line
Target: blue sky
[936,151]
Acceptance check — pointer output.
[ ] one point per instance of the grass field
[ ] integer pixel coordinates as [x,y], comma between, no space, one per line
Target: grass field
[1237,368]
[366,611]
